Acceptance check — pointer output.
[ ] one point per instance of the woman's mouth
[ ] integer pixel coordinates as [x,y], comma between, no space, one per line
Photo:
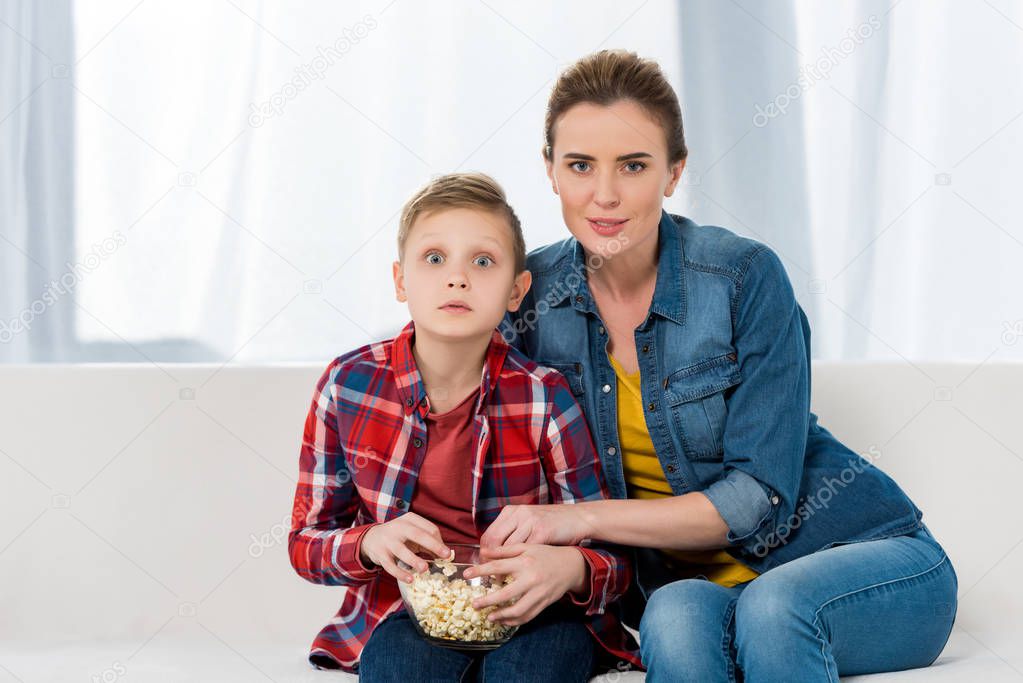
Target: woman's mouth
[606,226]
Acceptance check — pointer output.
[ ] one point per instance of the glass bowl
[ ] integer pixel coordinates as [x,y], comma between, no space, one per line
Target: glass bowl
[439,601]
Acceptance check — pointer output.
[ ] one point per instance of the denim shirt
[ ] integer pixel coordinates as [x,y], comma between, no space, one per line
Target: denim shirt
[724,358]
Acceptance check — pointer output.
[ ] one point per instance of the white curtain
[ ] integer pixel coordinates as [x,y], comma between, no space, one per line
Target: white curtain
[886,173]
[36,181]
[238,166]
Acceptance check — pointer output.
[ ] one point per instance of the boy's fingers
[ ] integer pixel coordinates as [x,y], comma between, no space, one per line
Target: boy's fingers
[434,545]
[506,594]
[417,563]
[423,523]
[514,615]
[494,568]
[392,568]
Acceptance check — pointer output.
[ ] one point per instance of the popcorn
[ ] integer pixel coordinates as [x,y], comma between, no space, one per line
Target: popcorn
[443,606]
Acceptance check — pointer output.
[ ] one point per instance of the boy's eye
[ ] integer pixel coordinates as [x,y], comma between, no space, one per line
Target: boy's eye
[635,166]
[580,166]
[484,261]
[434,258]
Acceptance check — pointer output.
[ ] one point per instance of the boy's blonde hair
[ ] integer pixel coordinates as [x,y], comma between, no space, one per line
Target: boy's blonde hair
[462,191]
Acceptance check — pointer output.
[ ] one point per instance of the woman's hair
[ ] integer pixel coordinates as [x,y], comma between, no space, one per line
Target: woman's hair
[462,191]
[608,76]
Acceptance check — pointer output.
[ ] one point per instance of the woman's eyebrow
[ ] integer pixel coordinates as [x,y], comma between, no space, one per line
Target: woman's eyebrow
[623,157]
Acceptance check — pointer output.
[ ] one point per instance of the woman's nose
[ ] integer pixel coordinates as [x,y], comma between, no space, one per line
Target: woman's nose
[606,194]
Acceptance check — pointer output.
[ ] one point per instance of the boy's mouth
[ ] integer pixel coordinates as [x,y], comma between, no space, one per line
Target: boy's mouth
[456,306]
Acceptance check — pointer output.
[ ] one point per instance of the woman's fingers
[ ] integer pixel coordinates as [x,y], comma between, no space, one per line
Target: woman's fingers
[521,534]
[499,530]
[504,551]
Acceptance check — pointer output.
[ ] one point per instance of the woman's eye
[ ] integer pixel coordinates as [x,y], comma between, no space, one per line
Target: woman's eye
[484,261]
[434,258]
[579,166]
[635,166]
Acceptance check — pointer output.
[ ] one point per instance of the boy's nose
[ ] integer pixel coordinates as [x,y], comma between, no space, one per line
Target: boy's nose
[458,281]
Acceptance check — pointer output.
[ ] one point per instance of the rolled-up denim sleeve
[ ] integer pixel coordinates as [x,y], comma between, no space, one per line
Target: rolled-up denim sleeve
[768,412]
[743,502]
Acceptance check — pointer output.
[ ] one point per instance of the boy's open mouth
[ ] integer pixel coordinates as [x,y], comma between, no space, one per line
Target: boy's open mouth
[456,306]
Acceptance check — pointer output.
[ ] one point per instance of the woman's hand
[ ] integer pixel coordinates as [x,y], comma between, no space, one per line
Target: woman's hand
[543,574]
[400,539]
[551,524]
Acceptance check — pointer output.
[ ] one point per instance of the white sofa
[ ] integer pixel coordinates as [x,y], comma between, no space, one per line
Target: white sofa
[145,514]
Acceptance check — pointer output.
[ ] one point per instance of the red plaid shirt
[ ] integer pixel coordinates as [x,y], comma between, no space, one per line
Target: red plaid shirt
[364,440]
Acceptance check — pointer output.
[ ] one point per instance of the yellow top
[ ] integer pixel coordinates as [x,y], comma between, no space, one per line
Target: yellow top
[645,480]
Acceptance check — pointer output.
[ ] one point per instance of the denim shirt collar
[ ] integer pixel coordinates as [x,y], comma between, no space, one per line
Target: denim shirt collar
[669,300]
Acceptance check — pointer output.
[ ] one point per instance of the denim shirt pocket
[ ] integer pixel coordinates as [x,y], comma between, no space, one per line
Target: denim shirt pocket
[695,396]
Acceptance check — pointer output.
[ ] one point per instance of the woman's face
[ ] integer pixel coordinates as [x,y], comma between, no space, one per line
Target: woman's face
[610,168]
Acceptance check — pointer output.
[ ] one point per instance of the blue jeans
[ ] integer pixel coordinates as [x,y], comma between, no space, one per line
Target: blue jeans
[858,608]
[555,646]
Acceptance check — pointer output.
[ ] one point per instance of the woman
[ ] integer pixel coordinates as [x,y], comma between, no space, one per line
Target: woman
[764,546]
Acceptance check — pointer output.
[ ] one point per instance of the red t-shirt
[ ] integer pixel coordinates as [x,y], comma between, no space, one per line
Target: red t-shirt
[443,492]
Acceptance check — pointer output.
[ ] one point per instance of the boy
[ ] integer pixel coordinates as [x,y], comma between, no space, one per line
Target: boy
[419,441]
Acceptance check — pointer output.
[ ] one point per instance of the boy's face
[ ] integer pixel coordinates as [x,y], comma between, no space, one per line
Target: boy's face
[458,273]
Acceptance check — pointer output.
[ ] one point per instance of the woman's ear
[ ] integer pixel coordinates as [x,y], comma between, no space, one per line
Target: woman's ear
[550,169]
[676,174]
[399,282]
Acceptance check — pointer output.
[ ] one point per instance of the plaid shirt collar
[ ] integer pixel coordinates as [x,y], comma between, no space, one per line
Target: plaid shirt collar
[410,382]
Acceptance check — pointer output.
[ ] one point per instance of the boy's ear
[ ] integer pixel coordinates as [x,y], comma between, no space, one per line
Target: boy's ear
[519,288]
[399,282]
[676,175]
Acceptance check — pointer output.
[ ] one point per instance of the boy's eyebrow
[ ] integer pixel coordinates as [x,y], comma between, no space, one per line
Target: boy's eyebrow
[623,157]
[482,237]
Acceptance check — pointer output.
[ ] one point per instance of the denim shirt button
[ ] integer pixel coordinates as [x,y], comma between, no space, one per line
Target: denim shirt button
[601,329]
[670,468]
[606,388]
[652,406]
[774,500]
[646,348]
[579,299]
[611,450]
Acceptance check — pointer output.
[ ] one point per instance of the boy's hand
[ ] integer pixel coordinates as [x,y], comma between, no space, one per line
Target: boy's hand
[552,524]
[400,539]
[543,574]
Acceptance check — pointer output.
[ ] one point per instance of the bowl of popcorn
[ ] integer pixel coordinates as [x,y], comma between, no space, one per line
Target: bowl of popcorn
[439,600]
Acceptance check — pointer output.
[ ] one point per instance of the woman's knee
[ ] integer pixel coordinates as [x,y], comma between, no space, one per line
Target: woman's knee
[684,623]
